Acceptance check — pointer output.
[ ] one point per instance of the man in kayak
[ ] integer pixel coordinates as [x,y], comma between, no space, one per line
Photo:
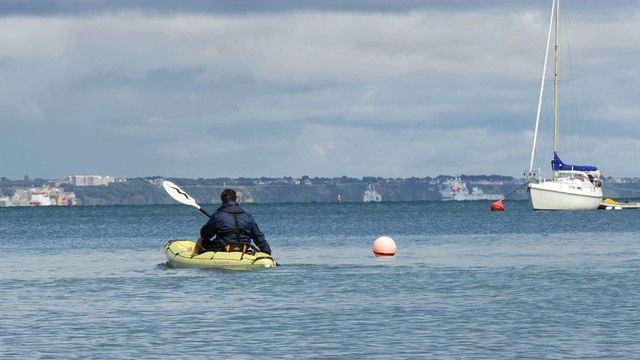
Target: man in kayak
[230,228]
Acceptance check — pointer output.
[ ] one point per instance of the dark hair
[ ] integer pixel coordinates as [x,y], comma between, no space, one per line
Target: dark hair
[228,195]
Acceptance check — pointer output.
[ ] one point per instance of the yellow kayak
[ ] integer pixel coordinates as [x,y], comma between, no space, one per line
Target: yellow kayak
[180,254]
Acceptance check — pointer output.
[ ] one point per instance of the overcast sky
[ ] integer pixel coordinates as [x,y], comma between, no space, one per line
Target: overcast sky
[208,89]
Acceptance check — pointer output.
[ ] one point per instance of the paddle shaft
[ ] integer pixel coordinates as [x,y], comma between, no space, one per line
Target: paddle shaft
[204,212]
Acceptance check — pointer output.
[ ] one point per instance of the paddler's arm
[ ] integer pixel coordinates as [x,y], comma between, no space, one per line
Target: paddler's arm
[207,231]
[197,250]
[258,238]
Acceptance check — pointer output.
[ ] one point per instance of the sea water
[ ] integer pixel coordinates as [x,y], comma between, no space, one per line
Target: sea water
[465,283]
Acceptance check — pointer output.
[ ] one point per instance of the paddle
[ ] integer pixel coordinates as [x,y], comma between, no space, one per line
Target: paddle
[181,196]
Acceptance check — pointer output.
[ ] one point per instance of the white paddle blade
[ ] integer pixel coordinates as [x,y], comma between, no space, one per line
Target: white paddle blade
[178,194]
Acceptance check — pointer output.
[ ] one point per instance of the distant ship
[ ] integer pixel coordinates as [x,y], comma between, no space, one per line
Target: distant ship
[40,198]
[454,189]
[371,195]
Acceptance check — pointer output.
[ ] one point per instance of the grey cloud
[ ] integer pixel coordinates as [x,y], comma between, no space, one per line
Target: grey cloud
[317,88]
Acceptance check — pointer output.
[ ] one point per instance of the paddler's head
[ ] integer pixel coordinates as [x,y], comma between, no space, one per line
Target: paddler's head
[228,195]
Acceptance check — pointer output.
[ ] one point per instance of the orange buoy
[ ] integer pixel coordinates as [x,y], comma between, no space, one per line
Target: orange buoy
[497,206]
[384,246]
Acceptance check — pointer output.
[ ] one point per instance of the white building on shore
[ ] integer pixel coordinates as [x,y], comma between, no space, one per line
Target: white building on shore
[90,180]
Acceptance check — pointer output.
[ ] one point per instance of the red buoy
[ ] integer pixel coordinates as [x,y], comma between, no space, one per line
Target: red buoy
[497,206]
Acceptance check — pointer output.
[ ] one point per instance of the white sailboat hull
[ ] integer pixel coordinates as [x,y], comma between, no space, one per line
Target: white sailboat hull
[564,195]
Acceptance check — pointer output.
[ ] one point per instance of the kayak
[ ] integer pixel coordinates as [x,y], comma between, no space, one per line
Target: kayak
[180,254]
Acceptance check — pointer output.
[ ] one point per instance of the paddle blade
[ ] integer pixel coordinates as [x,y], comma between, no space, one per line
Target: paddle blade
[178,194]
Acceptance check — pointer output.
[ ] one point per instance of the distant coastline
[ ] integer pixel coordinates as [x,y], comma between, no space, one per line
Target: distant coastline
[148,190]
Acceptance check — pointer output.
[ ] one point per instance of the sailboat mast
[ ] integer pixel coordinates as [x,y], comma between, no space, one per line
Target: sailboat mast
[555,82]
[542,80]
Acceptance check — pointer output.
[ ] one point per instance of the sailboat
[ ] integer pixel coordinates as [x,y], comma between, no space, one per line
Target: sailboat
[571,187]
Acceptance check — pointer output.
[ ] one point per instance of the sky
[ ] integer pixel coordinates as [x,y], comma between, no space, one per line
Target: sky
[247,88]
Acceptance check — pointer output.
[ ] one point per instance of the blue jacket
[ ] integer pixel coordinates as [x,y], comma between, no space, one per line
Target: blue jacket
[222,225]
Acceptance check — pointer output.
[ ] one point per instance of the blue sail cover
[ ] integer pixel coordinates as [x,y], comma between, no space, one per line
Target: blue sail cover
[558,165]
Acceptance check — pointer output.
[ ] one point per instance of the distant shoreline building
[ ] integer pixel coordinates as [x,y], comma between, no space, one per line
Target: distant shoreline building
[92,180]
[41,196]
[54,195]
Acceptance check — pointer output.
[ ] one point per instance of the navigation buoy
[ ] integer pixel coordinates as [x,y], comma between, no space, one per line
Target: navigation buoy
[384,246]
[497,206]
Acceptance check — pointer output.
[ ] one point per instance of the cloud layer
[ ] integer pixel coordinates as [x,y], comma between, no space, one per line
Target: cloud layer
[309,88]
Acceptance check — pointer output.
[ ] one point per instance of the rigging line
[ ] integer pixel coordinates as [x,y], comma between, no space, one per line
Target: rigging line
[581,120]
[523,185]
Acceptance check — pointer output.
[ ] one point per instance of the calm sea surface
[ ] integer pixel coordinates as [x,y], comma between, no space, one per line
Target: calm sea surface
[466,283]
